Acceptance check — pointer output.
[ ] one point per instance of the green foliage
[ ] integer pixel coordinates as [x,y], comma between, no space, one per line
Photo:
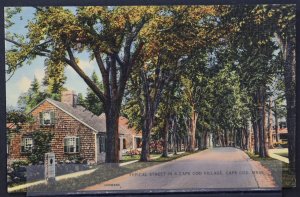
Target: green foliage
[32,97]
[17,116]
[41,145]
[16,164]
[91,101]
[54,78]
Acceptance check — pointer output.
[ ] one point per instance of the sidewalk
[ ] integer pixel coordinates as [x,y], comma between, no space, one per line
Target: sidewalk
[272,153]
[71,175]
[58,178]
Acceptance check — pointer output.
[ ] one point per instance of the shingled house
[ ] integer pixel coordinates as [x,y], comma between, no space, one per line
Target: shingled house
[77,131]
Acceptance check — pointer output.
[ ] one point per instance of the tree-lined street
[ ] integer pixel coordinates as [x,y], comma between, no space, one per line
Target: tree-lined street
[220,168]
[187,77]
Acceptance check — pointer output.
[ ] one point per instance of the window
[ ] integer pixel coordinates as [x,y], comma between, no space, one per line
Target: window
[138,142]
[47,118]
[71,144]
[26,144]
[102,142]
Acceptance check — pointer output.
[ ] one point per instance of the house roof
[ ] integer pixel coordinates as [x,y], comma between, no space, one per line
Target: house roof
[86,117]
[282,131]
[123,126]
[81,114]
[11,125]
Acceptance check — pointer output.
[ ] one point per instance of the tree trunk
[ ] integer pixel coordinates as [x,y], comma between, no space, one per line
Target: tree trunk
[146,131]
[289,57]
[261,122]
[246,138]
[269,131]
[289,73]
[185,142]
[194,116]
[205,140]
[276,121]
[255,133]
[175,137]
[112,130]
[242,138]
[174,144]
[165,137]
[150,108]
[225,137]
[199,143]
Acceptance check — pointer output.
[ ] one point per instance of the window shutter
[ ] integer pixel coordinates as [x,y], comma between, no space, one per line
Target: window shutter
[22,145]
[41,118]
[65,145]
[77,144]
[52,116]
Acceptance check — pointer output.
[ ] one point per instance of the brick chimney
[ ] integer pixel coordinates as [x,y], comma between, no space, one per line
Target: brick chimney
[69,97]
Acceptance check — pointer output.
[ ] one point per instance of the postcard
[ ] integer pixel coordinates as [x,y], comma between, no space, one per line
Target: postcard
[118,99]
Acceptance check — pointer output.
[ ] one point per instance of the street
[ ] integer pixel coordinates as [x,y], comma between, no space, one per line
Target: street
[217,168]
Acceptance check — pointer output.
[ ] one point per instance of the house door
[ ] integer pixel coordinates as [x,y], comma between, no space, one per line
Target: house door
[101,148]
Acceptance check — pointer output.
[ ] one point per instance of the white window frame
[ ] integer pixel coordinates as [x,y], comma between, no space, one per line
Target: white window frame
[73,144]
[27,143]
[46,117]
[49,114]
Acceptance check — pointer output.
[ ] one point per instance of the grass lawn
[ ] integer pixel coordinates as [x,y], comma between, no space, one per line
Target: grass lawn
[127,158]
[287,178]
[283,154]
[103,173]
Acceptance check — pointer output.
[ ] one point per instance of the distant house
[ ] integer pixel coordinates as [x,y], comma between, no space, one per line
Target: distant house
[271,136]
[10,127]
[77,131]
[282,132]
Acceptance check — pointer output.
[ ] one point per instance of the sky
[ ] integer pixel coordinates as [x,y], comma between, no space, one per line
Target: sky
[22,78]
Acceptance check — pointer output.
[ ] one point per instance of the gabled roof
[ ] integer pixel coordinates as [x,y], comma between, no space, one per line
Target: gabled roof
[82,115]
[123,125]
[86,117]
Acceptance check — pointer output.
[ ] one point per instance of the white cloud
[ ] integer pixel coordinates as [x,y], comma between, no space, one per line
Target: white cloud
[24,84]
[39,74]
[86,65]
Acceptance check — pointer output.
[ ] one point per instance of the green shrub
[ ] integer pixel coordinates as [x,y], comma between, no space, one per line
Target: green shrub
[16,164]
[41,141]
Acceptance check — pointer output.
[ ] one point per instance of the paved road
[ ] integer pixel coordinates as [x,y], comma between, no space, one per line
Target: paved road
[218,168]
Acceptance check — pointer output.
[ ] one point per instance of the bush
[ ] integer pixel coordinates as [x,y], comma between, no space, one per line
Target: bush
[16,173]
[133,152]
[21,163]
[41,146]
[156,147]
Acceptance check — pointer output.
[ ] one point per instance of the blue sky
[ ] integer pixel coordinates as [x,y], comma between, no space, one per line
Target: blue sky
[20,81]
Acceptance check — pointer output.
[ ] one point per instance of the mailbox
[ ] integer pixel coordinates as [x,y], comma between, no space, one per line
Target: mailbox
[50,167]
